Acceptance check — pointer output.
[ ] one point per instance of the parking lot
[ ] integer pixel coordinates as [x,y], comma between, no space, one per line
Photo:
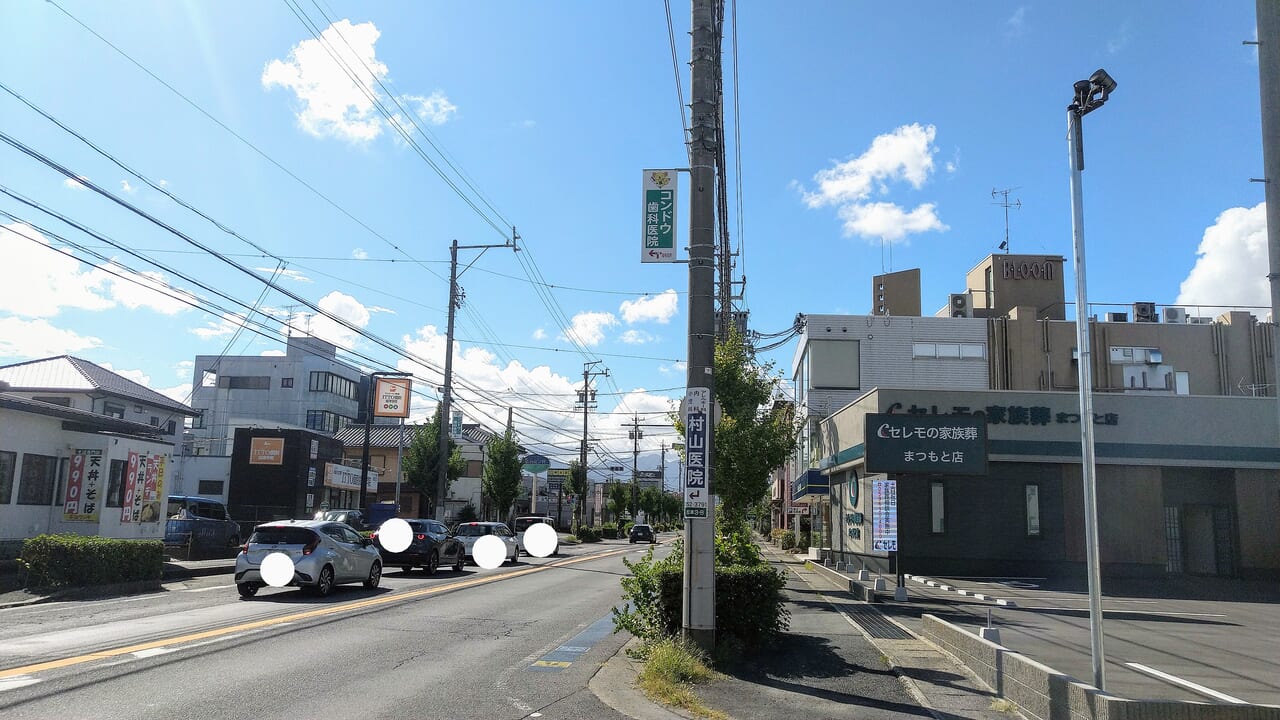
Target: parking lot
[1208,640]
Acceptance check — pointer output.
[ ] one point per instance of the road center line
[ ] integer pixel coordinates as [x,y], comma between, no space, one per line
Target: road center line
[295,617]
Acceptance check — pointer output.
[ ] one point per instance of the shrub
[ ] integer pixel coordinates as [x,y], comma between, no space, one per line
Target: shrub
[787,540]
[609,531]
[802,542]
[78,560]
[467,514]
[587,534]
[776,534]
[737,549]
[750,608]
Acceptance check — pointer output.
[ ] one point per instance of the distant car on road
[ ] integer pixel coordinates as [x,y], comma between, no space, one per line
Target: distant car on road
[198,526]
[524,523]
[430,546]
[324,554]
[354,518]
[469,532]
[643,532]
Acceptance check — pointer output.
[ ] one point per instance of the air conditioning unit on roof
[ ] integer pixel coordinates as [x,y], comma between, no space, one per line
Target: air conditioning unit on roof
[1117,317]
[960,305]
[1144,312]
[1175,315]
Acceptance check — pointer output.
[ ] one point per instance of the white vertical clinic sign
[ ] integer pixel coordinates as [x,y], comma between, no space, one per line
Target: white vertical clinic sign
[658,243]
[884,516]
[391,397]
[697,429]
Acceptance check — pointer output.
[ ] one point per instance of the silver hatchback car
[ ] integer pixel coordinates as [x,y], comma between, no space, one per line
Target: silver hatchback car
[324,554]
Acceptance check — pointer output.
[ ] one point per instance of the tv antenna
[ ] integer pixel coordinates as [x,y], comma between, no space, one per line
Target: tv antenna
[1004,203]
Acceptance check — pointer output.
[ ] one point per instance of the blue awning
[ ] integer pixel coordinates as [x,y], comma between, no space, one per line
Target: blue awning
[810,485]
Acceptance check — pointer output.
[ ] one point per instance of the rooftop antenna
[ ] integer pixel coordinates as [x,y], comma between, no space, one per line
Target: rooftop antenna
[1004,203]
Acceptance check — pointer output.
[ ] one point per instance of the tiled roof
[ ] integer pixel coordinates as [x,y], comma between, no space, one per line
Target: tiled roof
[104,422]
[386,435]
[65,373]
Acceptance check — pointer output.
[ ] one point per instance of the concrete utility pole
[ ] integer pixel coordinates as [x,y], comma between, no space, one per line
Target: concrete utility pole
[456,296]
[698,617]
[587,400]
[1269,82]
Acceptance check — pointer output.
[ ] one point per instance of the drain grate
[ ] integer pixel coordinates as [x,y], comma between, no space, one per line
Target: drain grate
[875,624]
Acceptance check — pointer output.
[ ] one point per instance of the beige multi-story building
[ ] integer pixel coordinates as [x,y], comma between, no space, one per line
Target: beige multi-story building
[1186,432]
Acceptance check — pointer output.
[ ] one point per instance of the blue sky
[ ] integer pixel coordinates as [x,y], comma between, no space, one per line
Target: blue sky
[872,136]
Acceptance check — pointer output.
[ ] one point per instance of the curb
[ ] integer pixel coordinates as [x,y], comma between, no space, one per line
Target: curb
[967,593]
[88,592]
[614,684]
[173,571]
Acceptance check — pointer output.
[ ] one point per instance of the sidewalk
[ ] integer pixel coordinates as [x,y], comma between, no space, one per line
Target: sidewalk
[840,659]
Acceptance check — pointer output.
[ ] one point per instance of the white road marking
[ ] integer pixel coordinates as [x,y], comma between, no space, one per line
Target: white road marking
[152,652]
[215,587]
[14,683]
[1153,613]
[1186,684]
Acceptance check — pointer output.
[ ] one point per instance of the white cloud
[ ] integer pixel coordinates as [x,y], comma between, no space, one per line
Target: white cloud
[1231,266]
[272,353]
[137,376]
[224,326]
[75,184]
[380,309]
[286,273]
[177,393]
[636,337]
[524,123]
[40,282]
[360,254]
[888,221]
[1120,40]
[588,327]
[539,334]
[125,186]
[148,290]
[658,308]
[339,305]
[331,103]
[904,155]
[183,368]
[674,368]
[37,338]
[1016,25]
[435,109]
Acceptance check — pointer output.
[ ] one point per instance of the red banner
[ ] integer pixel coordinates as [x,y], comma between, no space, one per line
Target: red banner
[130,480]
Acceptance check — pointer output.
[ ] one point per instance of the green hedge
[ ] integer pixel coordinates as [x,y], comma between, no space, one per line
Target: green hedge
[609,531]
[78,560]
[787,539]
[587,534]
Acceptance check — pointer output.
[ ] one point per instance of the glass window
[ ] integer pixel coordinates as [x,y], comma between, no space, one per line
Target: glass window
[1033,510]
[286,382]
[948,350]
[38,479]
[834,364]
[8,460]
[115,483]
[973,350]
[937,507]
[924,350]
[116,411]
[210,487]
[281,536]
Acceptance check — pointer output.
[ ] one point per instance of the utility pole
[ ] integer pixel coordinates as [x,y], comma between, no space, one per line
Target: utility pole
[456,297]
[1269,83]
[698,614]
[587,399]
[636,435]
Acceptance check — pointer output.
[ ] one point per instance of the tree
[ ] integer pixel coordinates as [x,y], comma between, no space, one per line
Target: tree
[619,497]
[651,503]
[754,435]
[501,482]
[576,485]
[421,462]
[468,513]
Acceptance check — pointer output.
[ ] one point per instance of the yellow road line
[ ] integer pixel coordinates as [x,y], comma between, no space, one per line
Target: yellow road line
[552,663]
[320,612]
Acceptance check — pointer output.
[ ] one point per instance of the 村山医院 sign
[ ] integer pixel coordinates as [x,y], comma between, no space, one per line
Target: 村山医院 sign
[947,444]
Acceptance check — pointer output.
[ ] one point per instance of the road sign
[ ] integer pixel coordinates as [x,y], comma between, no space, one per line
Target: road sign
[535,463]
[616,468]
[658,243]
[697,434]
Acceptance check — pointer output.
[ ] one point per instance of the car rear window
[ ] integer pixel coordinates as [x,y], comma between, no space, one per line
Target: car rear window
[523,524]
[474,530]
[281,536]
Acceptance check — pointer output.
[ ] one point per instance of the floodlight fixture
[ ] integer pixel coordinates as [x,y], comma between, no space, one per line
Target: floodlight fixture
[1092,93]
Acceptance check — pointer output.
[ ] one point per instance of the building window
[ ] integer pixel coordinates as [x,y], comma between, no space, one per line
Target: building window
[1033,510]
[8,460]
[197,422]
[171,428]
[115,483]
[63,401]
[155,421]
[963,351]
[937,507]
[286,382]
[209,379]
[210,487]
[328,382]
[115,411]
[245,382]
[326,421]
[39,478]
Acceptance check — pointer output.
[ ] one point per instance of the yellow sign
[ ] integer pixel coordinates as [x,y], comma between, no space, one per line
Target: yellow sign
[391,397]
[266,451]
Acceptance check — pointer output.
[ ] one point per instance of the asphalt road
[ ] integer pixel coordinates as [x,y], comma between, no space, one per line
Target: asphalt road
[1222,645]
[495,644]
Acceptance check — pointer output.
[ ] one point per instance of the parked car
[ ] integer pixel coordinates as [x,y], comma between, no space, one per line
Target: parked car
[469,532]
[199,526]
[324,554]
[644,532]
[354,518]
[524,523]
[431,544]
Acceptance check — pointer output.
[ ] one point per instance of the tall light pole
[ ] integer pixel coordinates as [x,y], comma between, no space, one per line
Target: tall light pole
[1268,14]
[456,296]
[1089,95]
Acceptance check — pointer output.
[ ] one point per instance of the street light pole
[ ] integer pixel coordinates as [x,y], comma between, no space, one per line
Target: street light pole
[1089,95]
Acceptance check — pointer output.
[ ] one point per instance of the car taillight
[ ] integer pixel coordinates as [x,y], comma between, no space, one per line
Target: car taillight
[373,536]
[245,548]
[420,536]
[311,546]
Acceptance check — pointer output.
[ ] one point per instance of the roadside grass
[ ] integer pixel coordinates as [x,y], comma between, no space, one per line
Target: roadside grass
[671,670]
[1004,706]
[570,540]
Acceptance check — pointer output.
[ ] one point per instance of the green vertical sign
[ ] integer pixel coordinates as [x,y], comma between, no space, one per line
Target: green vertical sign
[659,240]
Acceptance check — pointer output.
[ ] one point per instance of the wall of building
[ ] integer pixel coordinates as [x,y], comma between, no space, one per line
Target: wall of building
[1258,503]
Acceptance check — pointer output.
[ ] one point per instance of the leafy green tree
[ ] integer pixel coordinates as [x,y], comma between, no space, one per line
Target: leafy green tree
[619,496]
[501,481]
[651,503]
[421,462]
[754,435]
[576,485]
[468,513]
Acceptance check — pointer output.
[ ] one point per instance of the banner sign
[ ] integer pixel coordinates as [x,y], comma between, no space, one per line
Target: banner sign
[908,443]
[348,478]
[697,433]
[266,451]
[391,397]
[659,243]
[80,502]
[884,516]
[130,481]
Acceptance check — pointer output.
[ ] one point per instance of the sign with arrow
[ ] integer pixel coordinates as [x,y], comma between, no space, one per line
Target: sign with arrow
[658,243]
